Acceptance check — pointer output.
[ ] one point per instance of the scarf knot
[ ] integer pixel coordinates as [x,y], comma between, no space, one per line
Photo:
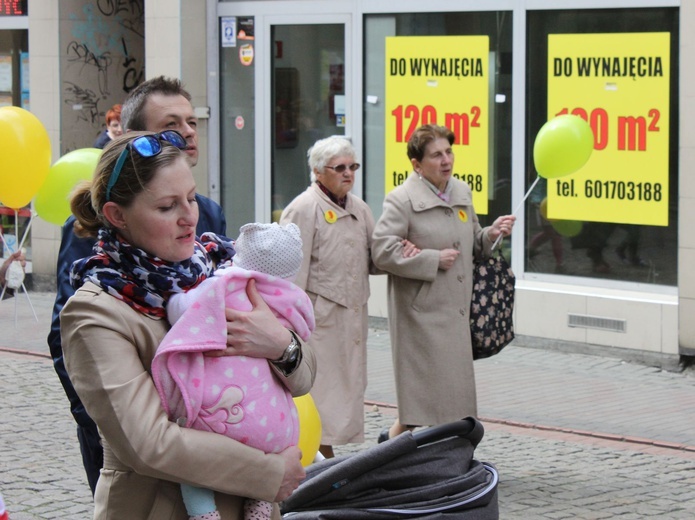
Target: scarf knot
[143,281]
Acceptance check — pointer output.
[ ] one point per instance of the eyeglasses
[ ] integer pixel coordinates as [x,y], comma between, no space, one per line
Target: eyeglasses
[146,146]
[342,167]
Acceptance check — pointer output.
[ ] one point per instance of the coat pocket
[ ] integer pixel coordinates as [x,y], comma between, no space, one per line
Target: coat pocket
[421,296]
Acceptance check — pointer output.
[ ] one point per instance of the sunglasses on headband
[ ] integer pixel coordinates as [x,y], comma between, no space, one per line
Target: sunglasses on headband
[146,146]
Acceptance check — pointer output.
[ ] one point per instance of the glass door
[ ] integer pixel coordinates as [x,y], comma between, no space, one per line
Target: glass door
[308,93]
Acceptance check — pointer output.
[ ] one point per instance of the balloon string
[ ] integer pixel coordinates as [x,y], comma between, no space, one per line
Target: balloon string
[499,237]
[26,232]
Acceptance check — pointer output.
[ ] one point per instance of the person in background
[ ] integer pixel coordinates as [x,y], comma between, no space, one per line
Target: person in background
[336,232]
[20,259]
[236,396]
[158,104]
[113,127]
[430,288]
[141,204]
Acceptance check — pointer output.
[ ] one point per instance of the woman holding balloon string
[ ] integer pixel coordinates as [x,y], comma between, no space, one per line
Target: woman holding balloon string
[430,287]
[141,203]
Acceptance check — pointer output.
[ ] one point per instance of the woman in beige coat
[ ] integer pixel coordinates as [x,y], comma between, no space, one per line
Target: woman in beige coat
[429,292]
[336,232]
[142,204]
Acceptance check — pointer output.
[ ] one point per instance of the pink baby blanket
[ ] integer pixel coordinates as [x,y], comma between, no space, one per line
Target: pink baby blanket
[237,396]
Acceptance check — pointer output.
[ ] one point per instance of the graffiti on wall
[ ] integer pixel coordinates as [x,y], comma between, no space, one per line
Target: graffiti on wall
[102,60]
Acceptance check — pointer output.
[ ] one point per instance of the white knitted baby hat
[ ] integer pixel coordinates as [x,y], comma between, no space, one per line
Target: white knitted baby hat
[269,248]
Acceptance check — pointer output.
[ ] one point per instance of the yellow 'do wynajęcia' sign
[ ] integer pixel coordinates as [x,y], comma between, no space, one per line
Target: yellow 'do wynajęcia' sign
[442,80]
[620,84]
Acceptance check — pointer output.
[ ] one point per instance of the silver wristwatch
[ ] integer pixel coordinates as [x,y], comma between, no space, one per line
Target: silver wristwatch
[290,358]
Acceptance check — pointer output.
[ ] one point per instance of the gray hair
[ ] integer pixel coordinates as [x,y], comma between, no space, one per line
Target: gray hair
[326,149]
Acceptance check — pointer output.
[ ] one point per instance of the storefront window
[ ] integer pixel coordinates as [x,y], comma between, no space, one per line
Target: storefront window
[14,68]
[308,103]
[616,218]
[453,69]
[237,128]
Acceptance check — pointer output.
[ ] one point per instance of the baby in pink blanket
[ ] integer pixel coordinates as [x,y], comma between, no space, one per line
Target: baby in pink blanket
[237,396]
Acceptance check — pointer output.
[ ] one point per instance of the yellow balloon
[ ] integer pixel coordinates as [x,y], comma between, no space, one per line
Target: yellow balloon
[563,145]
[309,428]
[52,202]
[567,228]
[25,156]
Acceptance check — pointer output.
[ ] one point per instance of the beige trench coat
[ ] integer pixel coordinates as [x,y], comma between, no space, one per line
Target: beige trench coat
[428,307]
[335,275]
[108,350]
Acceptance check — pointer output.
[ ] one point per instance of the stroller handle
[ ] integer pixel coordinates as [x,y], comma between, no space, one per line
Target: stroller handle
[468,427]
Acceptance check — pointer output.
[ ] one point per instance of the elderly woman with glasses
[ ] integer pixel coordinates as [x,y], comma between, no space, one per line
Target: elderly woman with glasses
[336,230]
[141,204]
[429,293]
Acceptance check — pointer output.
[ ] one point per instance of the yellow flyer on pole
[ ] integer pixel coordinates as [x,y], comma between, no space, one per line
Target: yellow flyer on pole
[442,80]
[620,84]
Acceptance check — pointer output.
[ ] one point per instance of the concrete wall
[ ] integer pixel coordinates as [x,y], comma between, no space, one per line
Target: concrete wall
[44,78]
[102,58]
[176,46]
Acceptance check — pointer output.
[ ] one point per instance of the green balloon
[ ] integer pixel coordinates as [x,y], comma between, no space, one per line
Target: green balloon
[563,145]
[567,228]
[52,202]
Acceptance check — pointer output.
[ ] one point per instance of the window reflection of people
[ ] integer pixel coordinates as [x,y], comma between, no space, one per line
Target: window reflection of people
[429,291]
[336,229]
[628,249]
[113,127]
[547,233]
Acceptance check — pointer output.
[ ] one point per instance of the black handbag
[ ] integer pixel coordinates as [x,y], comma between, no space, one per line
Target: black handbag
[492,306]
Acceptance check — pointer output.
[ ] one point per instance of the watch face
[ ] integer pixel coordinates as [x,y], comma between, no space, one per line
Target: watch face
[294,354]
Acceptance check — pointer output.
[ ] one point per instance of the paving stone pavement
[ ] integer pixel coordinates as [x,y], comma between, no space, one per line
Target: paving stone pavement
[573,436]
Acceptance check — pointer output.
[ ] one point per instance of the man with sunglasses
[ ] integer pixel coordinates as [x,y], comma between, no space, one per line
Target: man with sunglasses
[158,105]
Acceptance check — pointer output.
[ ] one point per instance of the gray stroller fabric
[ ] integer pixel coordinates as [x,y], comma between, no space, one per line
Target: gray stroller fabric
[402,477]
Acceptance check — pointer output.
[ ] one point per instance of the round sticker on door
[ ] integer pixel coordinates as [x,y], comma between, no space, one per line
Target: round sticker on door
[246,54]
[239,122]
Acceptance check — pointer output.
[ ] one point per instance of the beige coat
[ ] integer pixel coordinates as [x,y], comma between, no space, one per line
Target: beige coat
[108,350]
[335,275]
[428,307]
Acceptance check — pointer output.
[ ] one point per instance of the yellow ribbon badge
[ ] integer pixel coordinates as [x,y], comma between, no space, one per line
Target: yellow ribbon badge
[330,216]
[462,216]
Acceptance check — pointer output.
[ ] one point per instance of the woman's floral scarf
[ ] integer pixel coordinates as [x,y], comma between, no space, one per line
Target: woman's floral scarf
[143,281]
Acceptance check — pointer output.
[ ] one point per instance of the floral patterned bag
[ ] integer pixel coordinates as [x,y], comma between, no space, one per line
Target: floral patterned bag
[492,306]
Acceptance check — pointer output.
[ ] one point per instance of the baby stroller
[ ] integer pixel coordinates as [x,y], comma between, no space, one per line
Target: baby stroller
[427,474]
